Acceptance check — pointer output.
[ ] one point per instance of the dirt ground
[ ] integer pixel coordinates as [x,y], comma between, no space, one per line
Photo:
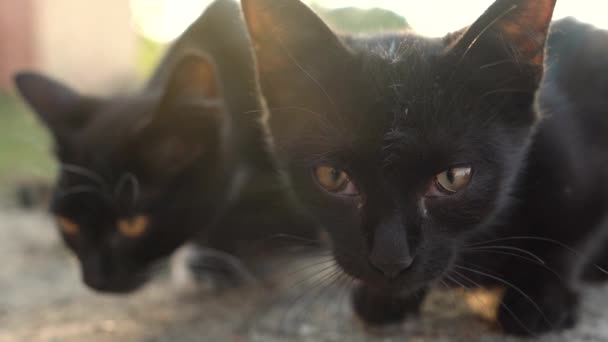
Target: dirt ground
[42,299]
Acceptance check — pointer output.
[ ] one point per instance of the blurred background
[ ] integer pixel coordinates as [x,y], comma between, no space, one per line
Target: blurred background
[110,46]
[107,47]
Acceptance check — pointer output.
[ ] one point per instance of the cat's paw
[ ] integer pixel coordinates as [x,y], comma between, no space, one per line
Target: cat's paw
[378,310]
[197,269]
[553,310]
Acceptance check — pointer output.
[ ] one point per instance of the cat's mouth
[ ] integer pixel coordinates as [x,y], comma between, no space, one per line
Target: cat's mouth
[115,284]
[121,286]
[407,281]
[421,273]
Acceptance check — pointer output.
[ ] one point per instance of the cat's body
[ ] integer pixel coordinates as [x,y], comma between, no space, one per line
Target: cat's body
[186,159]
[429,161]
[573,96]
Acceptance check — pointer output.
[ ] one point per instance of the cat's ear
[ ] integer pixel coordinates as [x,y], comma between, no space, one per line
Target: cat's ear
[62,109]
[193,78]
[188,119]
[510,30]
[286,33]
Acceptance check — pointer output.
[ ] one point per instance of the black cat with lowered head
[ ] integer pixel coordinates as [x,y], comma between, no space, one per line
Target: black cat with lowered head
[186,159]
[429,161]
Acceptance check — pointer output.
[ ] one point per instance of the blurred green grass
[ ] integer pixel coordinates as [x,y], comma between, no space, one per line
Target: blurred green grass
[25,146]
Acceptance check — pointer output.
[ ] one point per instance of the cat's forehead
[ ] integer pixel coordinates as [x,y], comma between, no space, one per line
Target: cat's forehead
[393,93]
[400,73]
[406,47]
[412,106]
[403,70]
[115,122]
[103,145]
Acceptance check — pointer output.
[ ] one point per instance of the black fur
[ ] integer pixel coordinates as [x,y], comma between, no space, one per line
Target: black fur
[187,152]
[395,110]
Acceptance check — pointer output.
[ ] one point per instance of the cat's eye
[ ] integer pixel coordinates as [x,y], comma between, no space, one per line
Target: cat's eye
[453,180]
[134,227]
[335,181]
[67,226]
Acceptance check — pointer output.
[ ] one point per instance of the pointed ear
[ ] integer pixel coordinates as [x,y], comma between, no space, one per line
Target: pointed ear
[193,79]
[282,31]
[188,120]
[58,106]
[515,28]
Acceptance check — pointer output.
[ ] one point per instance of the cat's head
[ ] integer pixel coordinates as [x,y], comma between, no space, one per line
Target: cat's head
[138,175]
[403,147]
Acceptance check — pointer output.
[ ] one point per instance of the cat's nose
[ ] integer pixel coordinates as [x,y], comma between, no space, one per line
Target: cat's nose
[390,252]
[392,270]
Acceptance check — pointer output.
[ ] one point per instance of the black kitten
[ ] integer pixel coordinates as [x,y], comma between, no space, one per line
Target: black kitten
[575,85]
[426,160]
[186,159]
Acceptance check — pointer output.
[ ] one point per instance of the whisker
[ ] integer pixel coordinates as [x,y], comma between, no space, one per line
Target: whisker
[289,237]
[303,280]
[510,248]
[501,303]
[78,190]
[508,254]
[534,261]
[329,272]
[543,239]
[520,291]
[335,284]
[309,266]
[79,170]
[324,288]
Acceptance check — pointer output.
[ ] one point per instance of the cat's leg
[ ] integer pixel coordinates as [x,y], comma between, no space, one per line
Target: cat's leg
[540,299]
[552,307]
[376,308]
[199,268]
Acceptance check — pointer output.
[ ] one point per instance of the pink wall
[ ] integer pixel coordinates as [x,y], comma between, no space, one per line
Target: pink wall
[17,49]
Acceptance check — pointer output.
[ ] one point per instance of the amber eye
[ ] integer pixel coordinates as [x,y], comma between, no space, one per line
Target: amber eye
[335,181]
[67,226]
[453,180]
[134,227]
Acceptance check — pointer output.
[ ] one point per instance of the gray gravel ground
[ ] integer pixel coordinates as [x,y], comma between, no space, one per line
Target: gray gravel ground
[42,299]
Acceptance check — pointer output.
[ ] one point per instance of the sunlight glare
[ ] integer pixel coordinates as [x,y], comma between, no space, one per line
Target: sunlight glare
[165,20]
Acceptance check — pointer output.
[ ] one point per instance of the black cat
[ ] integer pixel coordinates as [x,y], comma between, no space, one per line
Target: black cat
[185,159]
[575,85]
[427,161]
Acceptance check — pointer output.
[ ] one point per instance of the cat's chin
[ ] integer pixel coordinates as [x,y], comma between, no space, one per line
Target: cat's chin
[119,286]
[407,283]
[397,286]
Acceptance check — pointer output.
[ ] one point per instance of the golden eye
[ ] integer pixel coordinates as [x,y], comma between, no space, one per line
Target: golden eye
[67,226]
[335,181]
[134,227]
[453,180]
